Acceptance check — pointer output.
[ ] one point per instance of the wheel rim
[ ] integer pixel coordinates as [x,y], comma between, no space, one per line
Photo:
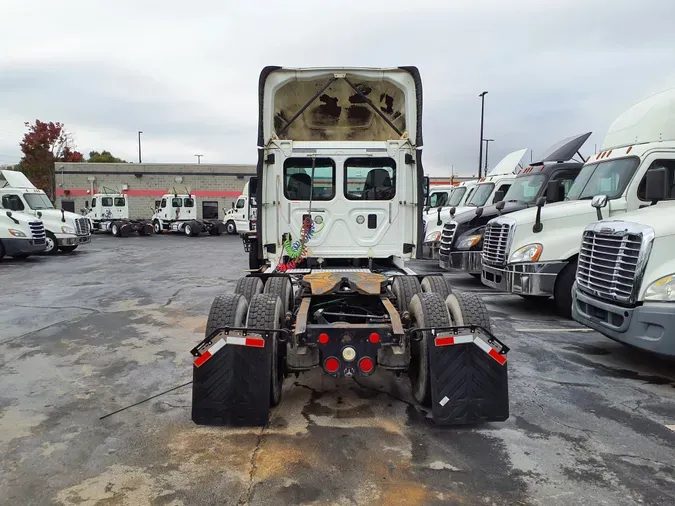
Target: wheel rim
[50,244]
[157,227]
[114,231]
[188,230]
[230,228]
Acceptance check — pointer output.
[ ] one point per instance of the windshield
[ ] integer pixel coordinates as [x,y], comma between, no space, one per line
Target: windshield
[38,201]
[525,189]
[480,196]
[438,199]
[456,196]
[603,178]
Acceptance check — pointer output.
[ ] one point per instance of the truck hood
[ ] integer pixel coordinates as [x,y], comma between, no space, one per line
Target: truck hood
[556,211]
[22,218]
[489,212]
[658,217]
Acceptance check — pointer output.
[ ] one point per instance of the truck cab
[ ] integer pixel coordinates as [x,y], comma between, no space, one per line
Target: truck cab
[439,196]
[64,230]
[107,207]
[549,178]
[535,252]
[486,190]
[240,218]
[21,235]
[178,213]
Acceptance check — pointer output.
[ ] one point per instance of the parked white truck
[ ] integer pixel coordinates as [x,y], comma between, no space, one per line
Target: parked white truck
[21,235]
[535,252]
[109,213]
[241,218]
[64,230]
[178,213]
[485,191]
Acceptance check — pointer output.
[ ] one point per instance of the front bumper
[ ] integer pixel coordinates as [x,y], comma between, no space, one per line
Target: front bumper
[22,247]
[648,327]
[526,279]
[467,261]
[72,240]
[431,250]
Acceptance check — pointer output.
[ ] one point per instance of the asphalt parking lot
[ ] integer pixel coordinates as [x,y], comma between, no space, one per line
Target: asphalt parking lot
[83,335]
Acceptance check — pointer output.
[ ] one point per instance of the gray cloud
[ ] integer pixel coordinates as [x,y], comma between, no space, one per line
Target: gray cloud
[187,74]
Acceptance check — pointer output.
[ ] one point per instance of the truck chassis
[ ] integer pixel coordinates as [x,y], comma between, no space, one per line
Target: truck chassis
[189,227]
[123,227]
[349,322]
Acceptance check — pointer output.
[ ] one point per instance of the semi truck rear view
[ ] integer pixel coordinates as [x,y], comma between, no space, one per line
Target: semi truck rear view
[339,193]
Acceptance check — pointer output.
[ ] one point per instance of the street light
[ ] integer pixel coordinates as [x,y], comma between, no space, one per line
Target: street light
[482,115]
[199,158]
[139,146]
[487,144]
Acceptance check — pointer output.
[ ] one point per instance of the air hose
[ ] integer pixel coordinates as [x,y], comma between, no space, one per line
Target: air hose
[297,250]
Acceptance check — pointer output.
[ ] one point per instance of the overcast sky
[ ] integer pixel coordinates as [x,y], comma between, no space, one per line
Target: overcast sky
[185,72]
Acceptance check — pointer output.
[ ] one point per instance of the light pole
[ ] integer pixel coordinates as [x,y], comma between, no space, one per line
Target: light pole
[482,115]
[487,145]
[199,158]
[139,146]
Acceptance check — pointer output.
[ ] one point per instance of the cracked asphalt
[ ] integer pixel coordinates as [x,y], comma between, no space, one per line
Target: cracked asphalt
[86,334]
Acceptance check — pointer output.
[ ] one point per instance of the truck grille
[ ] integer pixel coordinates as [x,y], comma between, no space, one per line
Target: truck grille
[37,230]
[82,226]
[447,237]
[496,243]
[608,264]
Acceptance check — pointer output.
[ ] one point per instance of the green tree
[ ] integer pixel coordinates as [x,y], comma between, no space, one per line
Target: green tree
[103,157]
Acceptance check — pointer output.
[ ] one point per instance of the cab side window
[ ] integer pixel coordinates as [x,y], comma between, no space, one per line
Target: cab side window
[119,202]
[12,202]
[241,203]
[177,202]
[163,203]
[188,202]
[93,202]
[107,201]
[503,188]
[567,178]
[669,165]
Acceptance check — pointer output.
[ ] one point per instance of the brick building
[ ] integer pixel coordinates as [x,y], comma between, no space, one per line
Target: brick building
[215,186]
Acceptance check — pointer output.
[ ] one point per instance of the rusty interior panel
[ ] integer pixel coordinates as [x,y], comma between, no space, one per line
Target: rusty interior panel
[367,283]
[339,114]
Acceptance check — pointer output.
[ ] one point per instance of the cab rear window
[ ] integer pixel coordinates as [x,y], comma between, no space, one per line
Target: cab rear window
[370,179]
[304,177]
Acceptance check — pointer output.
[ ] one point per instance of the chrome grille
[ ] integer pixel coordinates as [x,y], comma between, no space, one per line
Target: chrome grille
[447,237]
[496,243]
[608,264]
[82,226]
[37,230]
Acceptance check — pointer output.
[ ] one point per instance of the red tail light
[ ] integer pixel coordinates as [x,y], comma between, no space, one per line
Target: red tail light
[323,338]
[331,364]
[374,338]
[367,365]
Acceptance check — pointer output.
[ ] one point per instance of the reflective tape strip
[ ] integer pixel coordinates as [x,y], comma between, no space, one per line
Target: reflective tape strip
[450,340]
[256,342]
[210,352]
[499,358]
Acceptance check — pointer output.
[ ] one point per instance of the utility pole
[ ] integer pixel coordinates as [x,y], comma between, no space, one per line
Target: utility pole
[199,158]
[482,116]
[487,144]
[139,146]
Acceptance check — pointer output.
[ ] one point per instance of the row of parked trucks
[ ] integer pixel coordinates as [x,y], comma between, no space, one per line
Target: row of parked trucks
[595,235]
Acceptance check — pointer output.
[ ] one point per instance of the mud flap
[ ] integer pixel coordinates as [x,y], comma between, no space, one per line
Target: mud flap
[231,381]
[469,377]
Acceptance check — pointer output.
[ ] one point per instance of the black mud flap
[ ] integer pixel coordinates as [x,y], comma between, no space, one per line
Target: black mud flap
[231,381]
[469,377]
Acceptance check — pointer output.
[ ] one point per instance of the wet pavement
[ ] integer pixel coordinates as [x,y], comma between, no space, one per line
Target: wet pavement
[83,335]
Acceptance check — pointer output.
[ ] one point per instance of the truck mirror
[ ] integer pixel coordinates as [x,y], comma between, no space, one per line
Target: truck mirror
[499,196]
[538,225]
[599,201]
[500,205]
[656,184]
[555,191]
[9,214]
[232,205]
[86,203]
[453,209]
[479,212]
[426,187]
[541,201]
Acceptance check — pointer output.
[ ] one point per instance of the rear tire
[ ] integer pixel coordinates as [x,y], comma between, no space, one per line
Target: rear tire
[265,312]
[426,310]
[249,286]
[404,289]
[115,229]
[227,310]
[562,292]
[436,284]
[187,229]
[467,308]
[231,228]
[282,287]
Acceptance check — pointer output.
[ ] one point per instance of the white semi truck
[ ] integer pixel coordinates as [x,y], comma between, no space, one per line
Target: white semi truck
[21,235]
[484,191]
[241,218]
[340,191]
[109,213]
[64,230]
[178,213]
[535,252]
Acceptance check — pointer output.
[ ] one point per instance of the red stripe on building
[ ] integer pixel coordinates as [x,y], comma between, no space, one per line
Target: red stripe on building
[79,192]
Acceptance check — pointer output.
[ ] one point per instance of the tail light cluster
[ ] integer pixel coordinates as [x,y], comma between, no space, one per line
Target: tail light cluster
[332,364]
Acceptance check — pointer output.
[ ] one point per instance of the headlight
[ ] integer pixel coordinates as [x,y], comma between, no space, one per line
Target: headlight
[432,237]
[662,290]
[67,230]
[16,233]
[529,253]
[469,241]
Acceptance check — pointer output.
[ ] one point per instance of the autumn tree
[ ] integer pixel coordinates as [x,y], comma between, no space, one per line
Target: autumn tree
[103,157]
[42,145]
